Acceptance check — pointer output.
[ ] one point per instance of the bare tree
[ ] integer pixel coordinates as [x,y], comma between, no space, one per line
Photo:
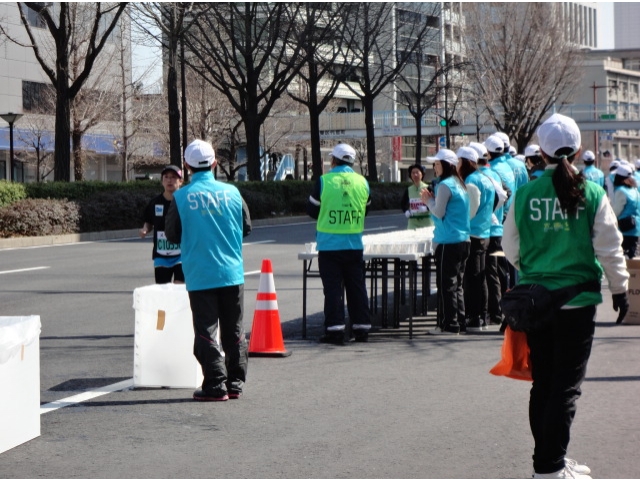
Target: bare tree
[172,20]
[324,65]
[34,133]
[250,53]
[425,78]
[53,55]
[379,54]
[526,63]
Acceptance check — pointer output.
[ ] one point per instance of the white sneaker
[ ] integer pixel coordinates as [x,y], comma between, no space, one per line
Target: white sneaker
[564,473]
[439,331]
[576,467]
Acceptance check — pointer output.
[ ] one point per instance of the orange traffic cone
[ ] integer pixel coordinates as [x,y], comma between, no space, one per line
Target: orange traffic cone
[266,333]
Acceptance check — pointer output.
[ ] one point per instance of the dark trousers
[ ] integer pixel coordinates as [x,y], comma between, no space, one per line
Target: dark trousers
[493,274]
[629,245]
[559,356]
[166,274]
[220,308]
[450,261]
[475,282]
[342,271]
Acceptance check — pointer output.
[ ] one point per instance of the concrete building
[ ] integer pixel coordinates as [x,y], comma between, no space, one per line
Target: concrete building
[25,89]
[612,85]
[626,18]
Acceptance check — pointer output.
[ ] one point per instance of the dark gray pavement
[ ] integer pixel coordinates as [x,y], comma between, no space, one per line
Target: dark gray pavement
[391,408]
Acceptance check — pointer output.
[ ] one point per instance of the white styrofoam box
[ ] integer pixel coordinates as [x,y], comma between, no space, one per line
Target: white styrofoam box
[20,380]
[163,351]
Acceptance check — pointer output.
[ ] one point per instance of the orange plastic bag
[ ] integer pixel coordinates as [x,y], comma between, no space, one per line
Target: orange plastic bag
[515,357]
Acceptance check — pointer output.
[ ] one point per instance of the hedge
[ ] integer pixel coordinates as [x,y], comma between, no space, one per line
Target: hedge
[53,208]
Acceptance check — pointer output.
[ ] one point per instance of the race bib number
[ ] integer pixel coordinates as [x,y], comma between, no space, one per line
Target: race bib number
[165,247]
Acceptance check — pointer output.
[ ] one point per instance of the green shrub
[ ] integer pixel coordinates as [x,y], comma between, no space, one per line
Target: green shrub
[116,210]
[73,207]
[11,192]
[38,217]
[86,189]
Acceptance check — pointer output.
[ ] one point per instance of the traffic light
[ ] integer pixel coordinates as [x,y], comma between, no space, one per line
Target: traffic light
[452,123]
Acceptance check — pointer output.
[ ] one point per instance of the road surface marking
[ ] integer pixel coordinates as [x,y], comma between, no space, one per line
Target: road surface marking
[23,270]
[84,396]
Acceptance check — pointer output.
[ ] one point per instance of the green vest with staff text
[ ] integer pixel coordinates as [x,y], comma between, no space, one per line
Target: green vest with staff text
[343,203]
[555,247]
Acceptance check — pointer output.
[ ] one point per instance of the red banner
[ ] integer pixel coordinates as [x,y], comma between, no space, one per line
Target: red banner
[396,145]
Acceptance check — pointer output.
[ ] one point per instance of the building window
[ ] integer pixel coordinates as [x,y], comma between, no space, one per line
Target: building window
[37,97]
[34,19]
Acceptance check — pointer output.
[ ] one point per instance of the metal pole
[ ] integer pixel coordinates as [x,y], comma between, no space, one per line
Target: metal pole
[595,132]
[11,152]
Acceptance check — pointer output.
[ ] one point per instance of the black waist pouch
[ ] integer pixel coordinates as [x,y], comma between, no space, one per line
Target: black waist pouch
[531,307]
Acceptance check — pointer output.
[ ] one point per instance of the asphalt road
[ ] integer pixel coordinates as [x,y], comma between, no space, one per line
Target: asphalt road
[392,408]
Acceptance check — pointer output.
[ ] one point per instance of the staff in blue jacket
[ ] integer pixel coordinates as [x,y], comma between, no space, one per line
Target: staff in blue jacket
[482,200]
[626,206]
[449,206]
[210,218]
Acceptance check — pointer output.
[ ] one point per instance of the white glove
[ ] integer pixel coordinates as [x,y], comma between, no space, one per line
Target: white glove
[422,209]
[407,214]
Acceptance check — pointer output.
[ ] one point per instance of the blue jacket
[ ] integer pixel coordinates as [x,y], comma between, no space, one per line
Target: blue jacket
[498,215]
[210,219]
[480,224]
[453,227]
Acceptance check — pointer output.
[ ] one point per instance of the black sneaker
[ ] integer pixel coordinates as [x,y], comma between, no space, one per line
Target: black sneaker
[474,325]
[332,339]
[362,337]
[203,396]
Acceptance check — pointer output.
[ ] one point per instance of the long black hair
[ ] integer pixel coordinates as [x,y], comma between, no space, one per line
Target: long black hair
[449,170]
[467,167]
[568,184]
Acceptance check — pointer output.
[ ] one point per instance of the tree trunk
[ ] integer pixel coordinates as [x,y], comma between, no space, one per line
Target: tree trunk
[76,144]
[367,102]
[62,152]
[252,131]
[175,152]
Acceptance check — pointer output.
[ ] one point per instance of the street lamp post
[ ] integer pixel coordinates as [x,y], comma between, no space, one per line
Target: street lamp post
[596,132]
[11,118]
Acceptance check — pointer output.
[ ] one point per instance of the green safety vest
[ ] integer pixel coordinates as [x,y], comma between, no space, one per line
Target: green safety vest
[555,247]
[343,203]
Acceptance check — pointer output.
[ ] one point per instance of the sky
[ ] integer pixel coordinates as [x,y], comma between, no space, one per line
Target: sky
[147,59]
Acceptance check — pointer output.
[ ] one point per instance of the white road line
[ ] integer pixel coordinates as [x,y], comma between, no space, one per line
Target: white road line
[258,243]
[254,272]
[24,270]
[379,228]
[84,396]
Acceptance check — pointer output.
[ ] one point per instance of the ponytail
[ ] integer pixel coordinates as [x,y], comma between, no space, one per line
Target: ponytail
[568,184]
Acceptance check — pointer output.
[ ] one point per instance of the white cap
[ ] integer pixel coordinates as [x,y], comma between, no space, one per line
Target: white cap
[199,154]
[557,132]
[637,163]
[344,152]
[444,155]
[494,144]
[614,164]
[512,150]
[624,170]
[520,157]
[479,148]
[588,156]
[468,153]
[532,150]
[505,138]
